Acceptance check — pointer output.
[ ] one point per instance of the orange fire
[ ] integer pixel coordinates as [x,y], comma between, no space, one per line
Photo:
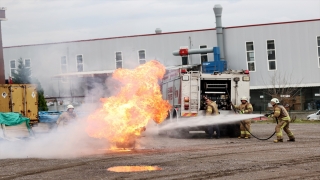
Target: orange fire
[139,100]
[134,168]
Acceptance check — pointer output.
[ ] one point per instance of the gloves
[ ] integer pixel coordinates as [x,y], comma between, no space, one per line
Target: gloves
[241,112]
[269,114]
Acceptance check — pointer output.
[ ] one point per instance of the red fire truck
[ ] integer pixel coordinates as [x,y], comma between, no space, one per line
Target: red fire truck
[185,86]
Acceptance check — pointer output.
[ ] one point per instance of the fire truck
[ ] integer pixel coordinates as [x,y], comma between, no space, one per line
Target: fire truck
[185,86]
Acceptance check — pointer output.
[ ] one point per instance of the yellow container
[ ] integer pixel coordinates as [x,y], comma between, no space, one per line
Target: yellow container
[21,98]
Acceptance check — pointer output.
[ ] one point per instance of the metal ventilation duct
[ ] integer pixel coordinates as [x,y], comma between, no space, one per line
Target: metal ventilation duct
[2,73]
[218,12]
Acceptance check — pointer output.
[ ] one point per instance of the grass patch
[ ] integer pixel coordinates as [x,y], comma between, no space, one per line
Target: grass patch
[302,121]
[306,121]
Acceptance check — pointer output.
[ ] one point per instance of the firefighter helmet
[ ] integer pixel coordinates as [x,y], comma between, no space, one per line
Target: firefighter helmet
[70,107]
[275,100]
[244,98]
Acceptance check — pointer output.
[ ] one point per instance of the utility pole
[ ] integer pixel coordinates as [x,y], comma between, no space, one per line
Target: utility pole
[2,73]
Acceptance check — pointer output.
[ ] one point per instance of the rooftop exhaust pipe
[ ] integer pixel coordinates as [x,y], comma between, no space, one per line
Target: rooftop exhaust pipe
[218,12]
[158,31]
[2,73]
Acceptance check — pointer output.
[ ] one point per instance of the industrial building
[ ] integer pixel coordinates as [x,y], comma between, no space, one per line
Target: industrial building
[290,50]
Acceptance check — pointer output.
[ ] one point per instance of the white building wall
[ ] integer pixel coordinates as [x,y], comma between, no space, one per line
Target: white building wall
[296,52]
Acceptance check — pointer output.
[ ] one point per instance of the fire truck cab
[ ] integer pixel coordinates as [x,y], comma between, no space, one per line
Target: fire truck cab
[185,86]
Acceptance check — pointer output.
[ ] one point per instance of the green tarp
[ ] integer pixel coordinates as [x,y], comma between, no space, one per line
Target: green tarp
[12,119]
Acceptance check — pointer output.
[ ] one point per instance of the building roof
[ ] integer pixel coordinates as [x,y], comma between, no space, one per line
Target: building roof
[291,85]
[107,72]
[83,74]
[176,32]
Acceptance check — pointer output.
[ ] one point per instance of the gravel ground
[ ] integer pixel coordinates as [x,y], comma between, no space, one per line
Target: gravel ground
[192,158]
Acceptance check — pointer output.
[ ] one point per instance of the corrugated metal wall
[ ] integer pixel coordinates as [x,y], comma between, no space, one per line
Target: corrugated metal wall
[296,52]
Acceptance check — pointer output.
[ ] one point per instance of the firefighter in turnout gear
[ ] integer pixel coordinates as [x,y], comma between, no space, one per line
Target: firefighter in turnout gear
[67,117]
[212,110]
[283,120]
[244,108]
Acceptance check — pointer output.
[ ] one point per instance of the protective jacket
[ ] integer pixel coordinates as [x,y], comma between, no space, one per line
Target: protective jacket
[212,109]
[284,120]
[281,113]
[245,125]
[245,108]
[67,117]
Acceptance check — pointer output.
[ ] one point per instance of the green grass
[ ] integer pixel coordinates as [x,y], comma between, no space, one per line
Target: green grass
[305,121]
[292,121]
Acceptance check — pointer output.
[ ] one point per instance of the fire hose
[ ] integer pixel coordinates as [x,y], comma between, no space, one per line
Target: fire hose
[249,130]
[234,109]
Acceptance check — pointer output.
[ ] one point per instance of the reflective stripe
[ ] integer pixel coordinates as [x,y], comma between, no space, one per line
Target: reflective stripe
[189,114]
[247,132]
[276,113]
[284,124]
[287,118]
[279,133]
[243,132]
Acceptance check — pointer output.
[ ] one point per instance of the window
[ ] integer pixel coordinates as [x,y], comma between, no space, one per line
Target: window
[142,56]
[250,56]
[63,64]
[27,65]
[203,56]
[271,52]
[79,63]
[184,59]
[12,67]
[318,40]
[64,67]
[118,60]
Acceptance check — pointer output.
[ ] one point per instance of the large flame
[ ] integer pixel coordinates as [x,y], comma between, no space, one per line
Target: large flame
[139,100]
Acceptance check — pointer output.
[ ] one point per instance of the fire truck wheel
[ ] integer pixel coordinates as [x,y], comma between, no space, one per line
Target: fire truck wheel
[233,130]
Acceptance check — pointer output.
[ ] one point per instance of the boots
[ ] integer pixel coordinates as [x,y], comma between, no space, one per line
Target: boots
[278,140]
[291,139]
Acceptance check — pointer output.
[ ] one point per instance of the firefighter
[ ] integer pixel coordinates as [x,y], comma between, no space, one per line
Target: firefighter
[212,110]
[68,116]
[283,121]
[244,108]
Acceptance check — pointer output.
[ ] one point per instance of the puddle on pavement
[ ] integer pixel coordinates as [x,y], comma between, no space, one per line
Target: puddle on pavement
[133,168]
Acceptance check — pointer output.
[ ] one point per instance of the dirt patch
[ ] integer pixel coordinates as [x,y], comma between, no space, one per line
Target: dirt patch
[193,158]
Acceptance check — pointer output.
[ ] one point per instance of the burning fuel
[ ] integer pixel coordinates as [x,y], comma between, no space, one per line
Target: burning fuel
[124,115]
[133,168]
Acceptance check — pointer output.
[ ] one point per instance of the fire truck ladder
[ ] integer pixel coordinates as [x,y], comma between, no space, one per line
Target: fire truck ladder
[194,91]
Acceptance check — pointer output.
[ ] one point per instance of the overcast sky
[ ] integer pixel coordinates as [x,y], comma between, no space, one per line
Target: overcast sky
[45,21]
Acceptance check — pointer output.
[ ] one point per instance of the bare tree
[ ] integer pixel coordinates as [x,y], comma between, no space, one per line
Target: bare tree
[283,87]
